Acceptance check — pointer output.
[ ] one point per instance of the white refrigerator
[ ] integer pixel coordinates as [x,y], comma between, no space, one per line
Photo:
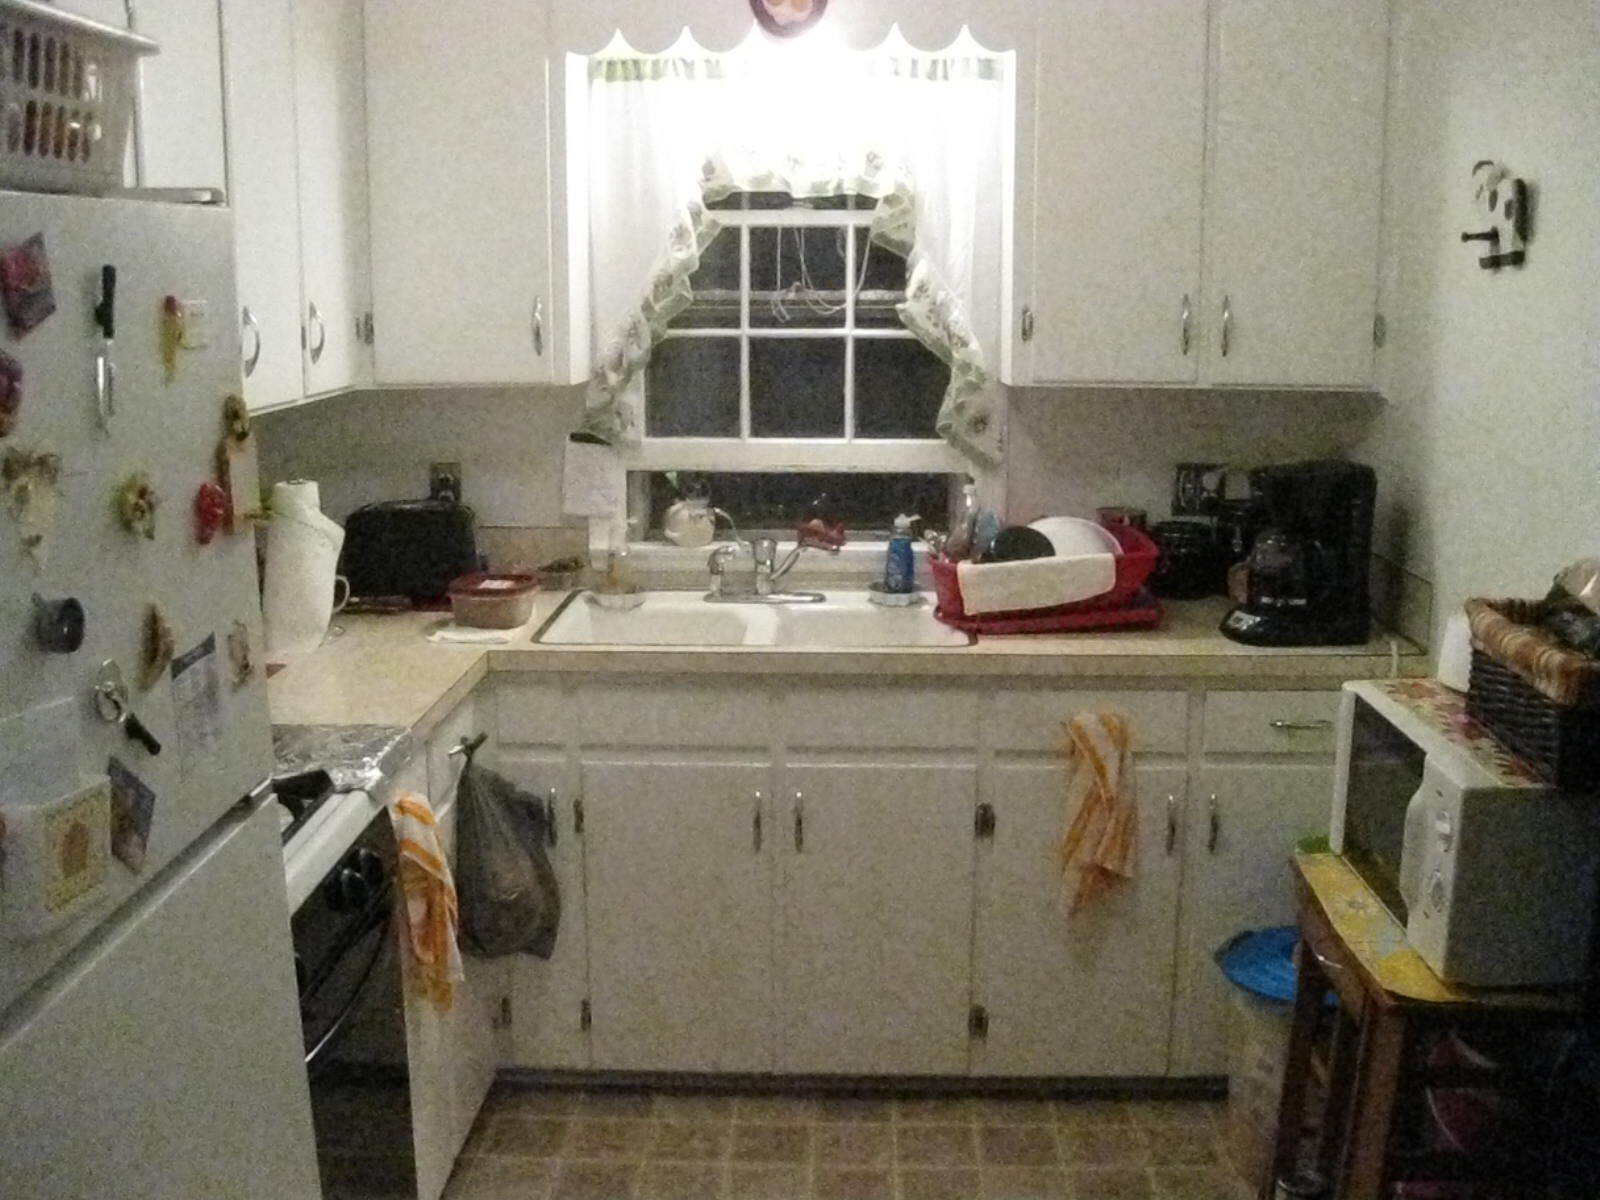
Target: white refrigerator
[150,1040]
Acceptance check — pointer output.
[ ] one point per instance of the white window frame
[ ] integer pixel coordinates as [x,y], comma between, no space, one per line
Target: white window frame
[745,453]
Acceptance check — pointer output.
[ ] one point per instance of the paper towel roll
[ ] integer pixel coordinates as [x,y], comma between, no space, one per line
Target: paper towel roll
[302,563]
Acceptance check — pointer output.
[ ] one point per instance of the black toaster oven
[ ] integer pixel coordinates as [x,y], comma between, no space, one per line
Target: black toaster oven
[408,549]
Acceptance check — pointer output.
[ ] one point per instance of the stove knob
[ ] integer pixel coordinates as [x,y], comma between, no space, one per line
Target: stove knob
[352,890]
[369,865]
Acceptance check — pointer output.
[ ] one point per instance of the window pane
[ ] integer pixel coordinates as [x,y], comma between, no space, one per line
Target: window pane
[715,285]
[900,384]
[762,502]
[692,388]
[882,286]
[810,257]
[797,387]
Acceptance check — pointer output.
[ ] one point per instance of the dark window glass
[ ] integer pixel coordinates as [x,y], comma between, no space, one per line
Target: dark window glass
[811,259]
[693,388]
[797,387]
[715,286]
[900,384]
[772,503]
[882,284]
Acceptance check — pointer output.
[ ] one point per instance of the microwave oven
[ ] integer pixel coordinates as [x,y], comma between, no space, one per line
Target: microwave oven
[1492,872]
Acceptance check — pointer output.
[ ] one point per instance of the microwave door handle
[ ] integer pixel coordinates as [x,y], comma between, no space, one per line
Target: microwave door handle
[1413,849]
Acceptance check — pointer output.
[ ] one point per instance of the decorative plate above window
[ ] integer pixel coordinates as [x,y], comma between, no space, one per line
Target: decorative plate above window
[788,18]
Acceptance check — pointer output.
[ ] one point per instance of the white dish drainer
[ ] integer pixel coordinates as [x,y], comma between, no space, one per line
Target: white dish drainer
[67,91]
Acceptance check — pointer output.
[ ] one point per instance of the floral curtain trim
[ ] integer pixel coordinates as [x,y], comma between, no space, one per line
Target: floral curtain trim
[967,419]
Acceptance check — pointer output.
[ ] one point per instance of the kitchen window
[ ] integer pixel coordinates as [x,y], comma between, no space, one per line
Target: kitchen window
[792,356]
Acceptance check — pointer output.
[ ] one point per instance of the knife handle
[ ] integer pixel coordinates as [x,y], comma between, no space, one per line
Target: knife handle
[105,312]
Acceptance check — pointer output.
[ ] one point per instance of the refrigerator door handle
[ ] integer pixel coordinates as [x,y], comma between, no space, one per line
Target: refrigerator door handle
[248,320]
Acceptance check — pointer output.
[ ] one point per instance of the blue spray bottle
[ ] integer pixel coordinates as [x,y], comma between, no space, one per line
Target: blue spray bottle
[900,566]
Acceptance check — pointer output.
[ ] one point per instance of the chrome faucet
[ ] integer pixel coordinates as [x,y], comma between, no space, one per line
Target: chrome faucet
[768,571]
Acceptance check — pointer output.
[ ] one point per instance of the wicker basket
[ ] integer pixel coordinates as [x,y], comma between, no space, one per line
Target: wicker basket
[67,90]
[1536,696]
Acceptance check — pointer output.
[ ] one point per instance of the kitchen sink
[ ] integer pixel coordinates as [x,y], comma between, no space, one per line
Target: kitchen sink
[845,620]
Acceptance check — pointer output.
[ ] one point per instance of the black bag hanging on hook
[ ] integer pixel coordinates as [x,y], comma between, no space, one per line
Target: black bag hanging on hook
[506,889]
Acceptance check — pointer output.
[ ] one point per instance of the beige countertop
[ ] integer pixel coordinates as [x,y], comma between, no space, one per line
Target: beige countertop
[382,670]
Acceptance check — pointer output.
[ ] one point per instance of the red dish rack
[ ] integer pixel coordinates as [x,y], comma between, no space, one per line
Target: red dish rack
[1126,605]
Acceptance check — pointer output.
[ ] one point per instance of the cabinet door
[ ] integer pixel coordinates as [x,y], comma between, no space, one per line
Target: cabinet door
[1237,878]
[875,919]
[680,916]
[263,188]
[330,119]
[1292,209]
[458,152]
[547,996]
[180,95]
[1118,178]
[1088,993]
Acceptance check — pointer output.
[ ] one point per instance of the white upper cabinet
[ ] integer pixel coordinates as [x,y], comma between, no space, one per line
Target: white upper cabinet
[458,147]
[330,123]
[264,190]
[1295,189]
[1251,155]
[1118,165]
[180,140]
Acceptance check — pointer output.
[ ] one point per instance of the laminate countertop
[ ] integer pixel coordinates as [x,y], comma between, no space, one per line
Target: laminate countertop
[383,670]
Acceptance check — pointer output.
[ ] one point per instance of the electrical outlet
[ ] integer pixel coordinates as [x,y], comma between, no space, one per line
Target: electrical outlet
[444,481]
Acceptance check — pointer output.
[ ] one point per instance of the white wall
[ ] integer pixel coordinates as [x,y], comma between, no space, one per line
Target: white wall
[1488,452]
[377,446]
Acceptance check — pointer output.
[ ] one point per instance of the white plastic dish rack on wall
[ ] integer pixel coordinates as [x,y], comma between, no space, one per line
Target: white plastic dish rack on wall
[67,90]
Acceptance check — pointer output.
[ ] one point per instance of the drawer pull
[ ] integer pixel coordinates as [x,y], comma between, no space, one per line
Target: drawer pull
[799,823]
[1215,829]
[1172,825]
[550,817]
[755,824]
[1321,726]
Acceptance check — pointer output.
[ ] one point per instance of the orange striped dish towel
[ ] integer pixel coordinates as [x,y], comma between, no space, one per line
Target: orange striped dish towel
[1102,812]
[430,901]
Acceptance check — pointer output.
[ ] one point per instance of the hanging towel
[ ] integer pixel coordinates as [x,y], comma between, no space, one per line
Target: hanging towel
[430,901]
[1102,813]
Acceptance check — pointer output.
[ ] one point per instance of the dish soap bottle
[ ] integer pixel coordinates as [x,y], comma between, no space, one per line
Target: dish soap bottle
[900,565]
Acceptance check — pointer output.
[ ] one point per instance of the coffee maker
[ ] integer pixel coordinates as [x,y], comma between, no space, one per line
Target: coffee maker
[1309,566]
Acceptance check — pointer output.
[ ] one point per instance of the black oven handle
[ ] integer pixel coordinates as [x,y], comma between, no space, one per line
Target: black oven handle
[358,992]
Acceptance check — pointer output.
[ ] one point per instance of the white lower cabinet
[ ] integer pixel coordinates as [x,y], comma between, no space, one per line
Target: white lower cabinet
[679,915]
[1241,828]
[549,997]
[833,880]
[1086,993]
[874,919]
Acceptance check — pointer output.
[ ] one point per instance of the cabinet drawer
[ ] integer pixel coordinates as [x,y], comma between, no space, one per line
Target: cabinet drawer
[675,716]
[889,717]
[1271,722]
[1031,720]
[532,714]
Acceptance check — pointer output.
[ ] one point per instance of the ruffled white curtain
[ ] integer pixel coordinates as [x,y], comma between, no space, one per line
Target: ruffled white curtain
[922,132]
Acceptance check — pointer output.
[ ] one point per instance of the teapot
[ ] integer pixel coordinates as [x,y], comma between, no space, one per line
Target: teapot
[692,522]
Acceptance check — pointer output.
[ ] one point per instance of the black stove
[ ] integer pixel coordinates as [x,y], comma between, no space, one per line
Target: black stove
[298,797]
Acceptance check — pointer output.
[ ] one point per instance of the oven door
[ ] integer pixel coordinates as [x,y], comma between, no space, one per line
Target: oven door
[1380,771]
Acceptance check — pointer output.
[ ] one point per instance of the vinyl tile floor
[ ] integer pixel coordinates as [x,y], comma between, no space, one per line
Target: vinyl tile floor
[543,1144]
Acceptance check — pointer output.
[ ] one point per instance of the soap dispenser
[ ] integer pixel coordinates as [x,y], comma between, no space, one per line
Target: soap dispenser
[900,565]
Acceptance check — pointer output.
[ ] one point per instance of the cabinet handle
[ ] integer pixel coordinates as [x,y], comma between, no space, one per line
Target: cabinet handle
[550,817]
[1301,726]
[313,317]
[755,824]
[1184,338]
[1227,325]
[799,823]
[538,326]
[248,320]
[1214,829]
[1027,324]
[1172,824]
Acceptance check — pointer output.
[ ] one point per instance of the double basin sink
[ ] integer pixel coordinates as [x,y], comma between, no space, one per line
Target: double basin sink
[845,620]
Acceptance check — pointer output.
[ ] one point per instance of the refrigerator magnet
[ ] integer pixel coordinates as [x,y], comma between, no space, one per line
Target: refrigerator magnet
[241,657]
[25,287]
[157,645]
[31,483]
[197,700]
[211,512]
[10,393]
[135,503]
[133,807]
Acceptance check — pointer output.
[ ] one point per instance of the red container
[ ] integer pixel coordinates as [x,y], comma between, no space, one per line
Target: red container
[1135,564]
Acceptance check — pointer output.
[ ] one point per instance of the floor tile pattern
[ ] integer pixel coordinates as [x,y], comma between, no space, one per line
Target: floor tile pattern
[547,1144]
